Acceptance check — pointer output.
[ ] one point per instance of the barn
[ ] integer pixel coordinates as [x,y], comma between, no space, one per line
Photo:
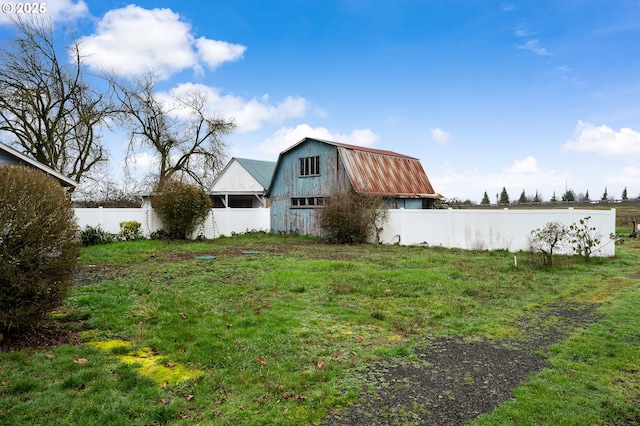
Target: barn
[313,170]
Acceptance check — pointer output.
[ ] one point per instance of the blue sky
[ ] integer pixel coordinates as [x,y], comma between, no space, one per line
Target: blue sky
[530,95]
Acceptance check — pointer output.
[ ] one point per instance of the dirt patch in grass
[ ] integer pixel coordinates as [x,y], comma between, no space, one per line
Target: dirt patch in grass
[454,380]
[44,335]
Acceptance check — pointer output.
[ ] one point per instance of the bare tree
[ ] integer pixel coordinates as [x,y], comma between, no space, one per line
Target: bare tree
[46,107]
[181,134]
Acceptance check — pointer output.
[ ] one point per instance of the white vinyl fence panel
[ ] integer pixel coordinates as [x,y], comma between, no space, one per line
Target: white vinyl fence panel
[465,228]
[220,222]
[489,229]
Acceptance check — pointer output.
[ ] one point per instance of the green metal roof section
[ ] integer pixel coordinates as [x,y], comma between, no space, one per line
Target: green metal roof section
[260,170]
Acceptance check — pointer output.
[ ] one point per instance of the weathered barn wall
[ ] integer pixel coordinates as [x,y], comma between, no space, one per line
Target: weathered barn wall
[287,184]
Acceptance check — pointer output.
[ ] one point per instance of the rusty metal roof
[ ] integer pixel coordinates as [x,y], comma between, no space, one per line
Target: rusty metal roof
[379,172]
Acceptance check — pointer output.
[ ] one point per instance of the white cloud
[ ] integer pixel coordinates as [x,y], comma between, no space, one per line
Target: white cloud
[519,167]
[439,136]
[214,52]
[142,162]
[521,174]
[603,140]
[56,10]
[132,39]
[521,32]
[288,136]
[534,46]
[248,114]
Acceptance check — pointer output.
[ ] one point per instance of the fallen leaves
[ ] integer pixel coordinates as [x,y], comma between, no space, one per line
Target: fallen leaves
[49,356]
[183,316]
[262,361]
[80,360]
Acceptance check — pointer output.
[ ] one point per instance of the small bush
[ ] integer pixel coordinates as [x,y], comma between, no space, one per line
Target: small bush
[130,231]
[182,207]
[160,234]
[93,236]
[552,237]
[39,246]
[584,238]
[352,218]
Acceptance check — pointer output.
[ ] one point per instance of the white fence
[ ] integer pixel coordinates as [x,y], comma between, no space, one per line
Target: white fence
[220,222]
[489,229]
[467,229]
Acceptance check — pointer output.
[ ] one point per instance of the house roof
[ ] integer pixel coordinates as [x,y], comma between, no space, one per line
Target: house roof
[381,172]
[27,161]
[260,170]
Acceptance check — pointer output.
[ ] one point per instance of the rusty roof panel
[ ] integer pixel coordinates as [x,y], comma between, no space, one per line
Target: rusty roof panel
[376,172]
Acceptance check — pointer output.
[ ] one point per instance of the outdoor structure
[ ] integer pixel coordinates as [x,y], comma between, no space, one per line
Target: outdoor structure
[243,183]
[313,170]
[10,156]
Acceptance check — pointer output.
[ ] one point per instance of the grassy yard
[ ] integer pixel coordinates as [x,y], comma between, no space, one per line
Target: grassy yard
[273,329]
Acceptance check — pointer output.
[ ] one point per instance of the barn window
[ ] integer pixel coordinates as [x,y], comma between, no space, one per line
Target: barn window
[310,166]
[312,202]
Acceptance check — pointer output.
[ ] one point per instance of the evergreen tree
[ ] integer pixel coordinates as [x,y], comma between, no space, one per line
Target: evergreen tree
[485,199]
[569,196]
[625,197]
[586,197]
[523,198]
[605,196]
[553,198]
[504,196]
[537,198]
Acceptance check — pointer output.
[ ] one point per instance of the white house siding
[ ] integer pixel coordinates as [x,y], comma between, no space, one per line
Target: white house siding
[236,179]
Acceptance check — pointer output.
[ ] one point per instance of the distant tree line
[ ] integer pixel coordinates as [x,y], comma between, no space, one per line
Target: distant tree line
[569,196]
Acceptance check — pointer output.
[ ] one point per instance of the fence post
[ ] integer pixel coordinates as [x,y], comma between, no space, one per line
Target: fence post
[450,227]
[571,214]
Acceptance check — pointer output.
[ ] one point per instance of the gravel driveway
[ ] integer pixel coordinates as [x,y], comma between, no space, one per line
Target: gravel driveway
[455,380]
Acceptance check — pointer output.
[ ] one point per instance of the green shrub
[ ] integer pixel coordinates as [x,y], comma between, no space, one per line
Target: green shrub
[181,207]
[351,218]
[39,246]
[130,231]
[584,238]
[93,236]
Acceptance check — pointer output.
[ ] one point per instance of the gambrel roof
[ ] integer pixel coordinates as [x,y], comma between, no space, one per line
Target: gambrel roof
[381,172]
[9,155]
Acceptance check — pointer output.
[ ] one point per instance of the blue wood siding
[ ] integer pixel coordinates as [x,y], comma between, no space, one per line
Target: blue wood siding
[5,158]
[288,184]
[332,179]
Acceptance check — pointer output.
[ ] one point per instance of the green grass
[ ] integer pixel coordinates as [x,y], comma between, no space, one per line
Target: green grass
[274,338]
